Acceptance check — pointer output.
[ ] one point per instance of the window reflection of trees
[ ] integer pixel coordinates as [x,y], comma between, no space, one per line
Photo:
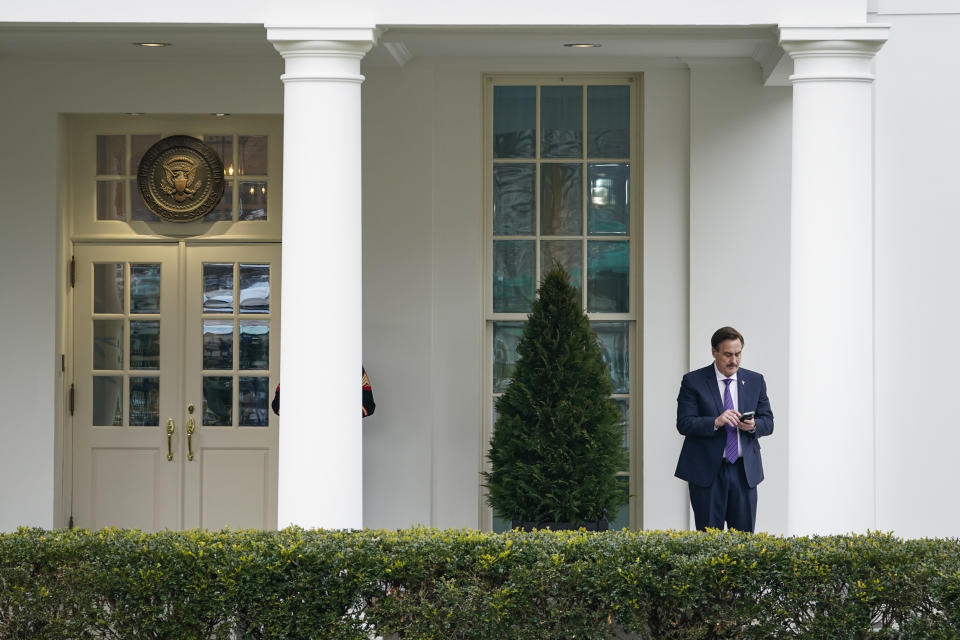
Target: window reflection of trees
[253,401]
[506,338]
[614,343]
[107,401]
[217,345]
[513,275]
[144,401]
[144,288]
[254,345]
[513,199]
[145,344]
[560,199]
[217,400]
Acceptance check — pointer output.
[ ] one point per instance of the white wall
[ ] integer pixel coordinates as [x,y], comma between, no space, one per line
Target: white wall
[397,328]
[739,240]
[423,289]
[917,278]
[666,274]
[423,292]
[35,93]
[456,373]
[397,158]
[28,285]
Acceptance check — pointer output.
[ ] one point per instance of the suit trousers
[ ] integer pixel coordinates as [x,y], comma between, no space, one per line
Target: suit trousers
[729,499]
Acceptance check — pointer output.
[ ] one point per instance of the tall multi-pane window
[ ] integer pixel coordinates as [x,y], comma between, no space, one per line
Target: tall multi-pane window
[561,184]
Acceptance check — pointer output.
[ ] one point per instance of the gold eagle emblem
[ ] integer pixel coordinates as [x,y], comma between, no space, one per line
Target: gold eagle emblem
[180,178]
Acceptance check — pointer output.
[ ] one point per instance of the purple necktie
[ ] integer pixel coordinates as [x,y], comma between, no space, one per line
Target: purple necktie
[730,452]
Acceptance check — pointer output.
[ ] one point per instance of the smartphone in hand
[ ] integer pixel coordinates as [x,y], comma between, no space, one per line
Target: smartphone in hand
[747,416]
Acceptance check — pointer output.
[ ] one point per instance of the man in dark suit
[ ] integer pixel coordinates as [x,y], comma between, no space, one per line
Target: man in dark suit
[720,459]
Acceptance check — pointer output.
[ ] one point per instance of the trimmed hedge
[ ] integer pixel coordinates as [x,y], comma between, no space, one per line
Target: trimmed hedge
[434,584]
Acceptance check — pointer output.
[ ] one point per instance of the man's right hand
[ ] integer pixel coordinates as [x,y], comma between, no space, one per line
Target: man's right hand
[729,416]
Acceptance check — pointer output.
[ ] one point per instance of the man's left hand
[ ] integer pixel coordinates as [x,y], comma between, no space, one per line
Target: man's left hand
[747,425]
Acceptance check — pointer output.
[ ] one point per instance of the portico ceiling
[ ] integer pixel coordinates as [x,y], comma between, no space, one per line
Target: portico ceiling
[114,41]
[615,41]
[400,45]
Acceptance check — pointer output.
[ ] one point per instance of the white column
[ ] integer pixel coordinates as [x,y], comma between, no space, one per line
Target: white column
[321,449]
[831,471]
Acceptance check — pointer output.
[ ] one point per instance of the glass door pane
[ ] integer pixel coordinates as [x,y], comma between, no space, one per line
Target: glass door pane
[231,369]
[127,354]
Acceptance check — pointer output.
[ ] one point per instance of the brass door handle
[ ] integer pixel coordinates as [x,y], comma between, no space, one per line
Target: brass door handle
[191,427]
[171,427]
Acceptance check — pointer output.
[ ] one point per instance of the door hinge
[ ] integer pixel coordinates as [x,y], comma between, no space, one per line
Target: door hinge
[71,399]
[73,271]
[63,362]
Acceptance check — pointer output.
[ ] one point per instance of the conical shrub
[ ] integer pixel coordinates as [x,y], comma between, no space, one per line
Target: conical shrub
[556,446]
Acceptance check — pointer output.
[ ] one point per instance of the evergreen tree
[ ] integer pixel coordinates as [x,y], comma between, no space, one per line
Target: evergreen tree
[556,446]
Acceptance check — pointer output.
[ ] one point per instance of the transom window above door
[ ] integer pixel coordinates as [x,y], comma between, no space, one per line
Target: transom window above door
[106,151]
[245,162]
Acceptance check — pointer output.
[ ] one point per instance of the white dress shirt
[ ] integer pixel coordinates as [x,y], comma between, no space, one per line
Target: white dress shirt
[735,395]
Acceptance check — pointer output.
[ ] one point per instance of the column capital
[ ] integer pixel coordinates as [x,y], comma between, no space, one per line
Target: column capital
[872,32]
[833,53]
[322,54]
[283,34]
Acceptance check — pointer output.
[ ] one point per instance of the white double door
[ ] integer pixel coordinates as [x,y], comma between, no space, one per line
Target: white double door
[176,356]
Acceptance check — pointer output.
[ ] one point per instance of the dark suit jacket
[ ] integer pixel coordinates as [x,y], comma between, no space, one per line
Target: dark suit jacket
[698,405]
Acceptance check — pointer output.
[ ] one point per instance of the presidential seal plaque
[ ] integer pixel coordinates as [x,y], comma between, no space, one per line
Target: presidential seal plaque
[180,179]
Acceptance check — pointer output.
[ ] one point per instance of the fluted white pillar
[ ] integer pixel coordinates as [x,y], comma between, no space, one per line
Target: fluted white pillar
[321,449]
[831,412]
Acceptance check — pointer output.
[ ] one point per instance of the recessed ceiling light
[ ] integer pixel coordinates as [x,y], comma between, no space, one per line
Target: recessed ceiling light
[134,113]
[151,44]
[220,115]
[582,45]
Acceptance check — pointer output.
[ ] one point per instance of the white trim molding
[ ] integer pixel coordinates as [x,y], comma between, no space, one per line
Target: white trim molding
[288,33]
[873,32]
